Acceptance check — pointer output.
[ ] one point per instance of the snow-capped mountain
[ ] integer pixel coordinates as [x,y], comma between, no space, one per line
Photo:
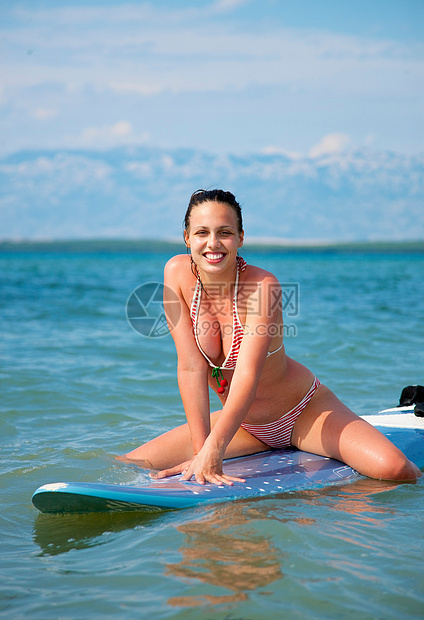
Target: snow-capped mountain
[141,192]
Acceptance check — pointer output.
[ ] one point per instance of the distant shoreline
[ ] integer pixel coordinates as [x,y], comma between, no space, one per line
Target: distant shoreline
[133,246]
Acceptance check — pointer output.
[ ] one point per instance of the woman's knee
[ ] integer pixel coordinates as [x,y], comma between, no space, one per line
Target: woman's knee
[395,466]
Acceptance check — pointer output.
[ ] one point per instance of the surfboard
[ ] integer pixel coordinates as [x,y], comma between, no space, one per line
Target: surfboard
[267,473]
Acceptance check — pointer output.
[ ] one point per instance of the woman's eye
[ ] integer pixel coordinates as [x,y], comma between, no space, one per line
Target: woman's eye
[223,233]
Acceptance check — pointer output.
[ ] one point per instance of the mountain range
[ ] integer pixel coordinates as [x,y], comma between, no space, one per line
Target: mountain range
[142,192]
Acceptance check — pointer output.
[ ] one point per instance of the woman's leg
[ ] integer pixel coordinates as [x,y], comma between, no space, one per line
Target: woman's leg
[175,447]
[327,427]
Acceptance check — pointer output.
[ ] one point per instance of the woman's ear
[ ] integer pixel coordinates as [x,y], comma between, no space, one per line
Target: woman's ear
[186,239]
[241,239]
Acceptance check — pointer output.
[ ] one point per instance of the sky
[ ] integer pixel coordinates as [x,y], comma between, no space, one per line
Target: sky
[301,77]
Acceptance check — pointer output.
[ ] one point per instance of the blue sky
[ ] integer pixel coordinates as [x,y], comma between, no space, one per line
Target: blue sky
[302,77]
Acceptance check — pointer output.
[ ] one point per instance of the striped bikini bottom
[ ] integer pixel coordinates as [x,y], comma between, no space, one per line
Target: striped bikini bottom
[278,434]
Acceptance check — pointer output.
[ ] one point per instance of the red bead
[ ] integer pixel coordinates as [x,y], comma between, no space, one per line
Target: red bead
[224,383]
[221,390]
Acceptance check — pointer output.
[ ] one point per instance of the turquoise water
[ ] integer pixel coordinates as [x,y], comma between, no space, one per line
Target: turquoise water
[79,385]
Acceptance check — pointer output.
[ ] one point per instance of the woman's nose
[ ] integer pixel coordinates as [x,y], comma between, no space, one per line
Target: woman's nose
[213,241]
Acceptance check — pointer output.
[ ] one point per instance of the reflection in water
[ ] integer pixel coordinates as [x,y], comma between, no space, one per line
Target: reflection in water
[223,554]
[225,550]
[61,533]
[235,548]
[358,499]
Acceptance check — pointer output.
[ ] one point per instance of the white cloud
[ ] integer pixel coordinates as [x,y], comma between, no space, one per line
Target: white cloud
[106,136]
[276,150]
[44,113]
[136,87]
[330,144]
[93,135]
[122,128]
[222,6]
[369,139]
[126,55]
[154,50]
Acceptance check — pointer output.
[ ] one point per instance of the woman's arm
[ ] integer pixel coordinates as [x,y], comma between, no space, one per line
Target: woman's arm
[194,391]
[263,321]
[192,366]
[263,313]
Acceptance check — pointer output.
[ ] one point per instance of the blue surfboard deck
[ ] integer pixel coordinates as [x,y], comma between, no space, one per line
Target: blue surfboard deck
[267,473]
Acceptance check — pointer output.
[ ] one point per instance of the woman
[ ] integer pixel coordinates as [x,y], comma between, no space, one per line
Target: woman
[228,332]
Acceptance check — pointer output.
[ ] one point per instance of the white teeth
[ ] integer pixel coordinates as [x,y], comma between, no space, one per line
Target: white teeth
[213,256]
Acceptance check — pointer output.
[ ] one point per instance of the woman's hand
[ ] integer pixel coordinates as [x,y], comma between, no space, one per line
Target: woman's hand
[172,471]
[205,467]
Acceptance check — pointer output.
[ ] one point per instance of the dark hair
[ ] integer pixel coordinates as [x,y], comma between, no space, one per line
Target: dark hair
[213,195]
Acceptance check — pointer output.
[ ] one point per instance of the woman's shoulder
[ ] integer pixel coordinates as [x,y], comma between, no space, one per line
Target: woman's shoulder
[257,274]
[176,263]
[262,294]
[178,270]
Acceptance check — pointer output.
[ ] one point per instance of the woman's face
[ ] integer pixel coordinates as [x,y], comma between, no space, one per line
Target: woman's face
[213,236]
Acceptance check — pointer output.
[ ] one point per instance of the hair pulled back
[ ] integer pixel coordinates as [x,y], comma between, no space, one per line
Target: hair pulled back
[213,195]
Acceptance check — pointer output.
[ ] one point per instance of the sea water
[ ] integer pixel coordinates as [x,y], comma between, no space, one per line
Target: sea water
[80,385]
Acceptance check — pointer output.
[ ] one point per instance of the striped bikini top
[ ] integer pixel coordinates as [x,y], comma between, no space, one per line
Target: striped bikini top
[238,331]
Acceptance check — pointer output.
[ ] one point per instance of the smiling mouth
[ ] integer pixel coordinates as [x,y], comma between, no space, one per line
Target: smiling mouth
[214,256]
